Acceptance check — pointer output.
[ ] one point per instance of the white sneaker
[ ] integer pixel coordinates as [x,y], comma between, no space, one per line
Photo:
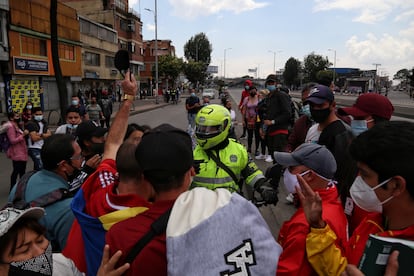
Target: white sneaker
[260,156]
[269,159]
[290,198]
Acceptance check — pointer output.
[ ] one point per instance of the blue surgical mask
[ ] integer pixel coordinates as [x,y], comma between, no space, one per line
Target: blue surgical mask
[38,117]
[75,102]
[359,126]
[29,107]
[306,110]
[247,87]
[271,88]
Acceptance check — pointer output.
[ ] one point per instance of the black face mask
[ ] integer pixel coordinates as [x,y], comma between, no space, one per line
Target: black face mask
[320,115]
[98,148]
[252,94]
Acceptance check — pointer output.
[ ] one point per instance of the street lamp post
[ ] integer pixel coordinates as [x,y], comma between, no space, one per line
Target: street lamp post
[274,59]
[224,68]
[156,50]
[334,69]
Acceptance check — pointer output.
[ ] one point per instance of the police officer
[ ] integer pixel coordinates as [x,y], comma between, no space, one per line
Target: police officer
[221,161]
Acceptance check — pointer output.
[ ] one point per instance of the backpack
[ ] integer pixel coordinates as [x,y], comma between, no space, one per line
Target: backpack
[4,142]
[42,201]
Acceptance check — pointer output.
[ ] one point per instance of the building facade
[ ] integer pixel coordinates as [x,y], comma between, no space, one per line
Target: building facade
[116,15]
[30,74]
[164,47]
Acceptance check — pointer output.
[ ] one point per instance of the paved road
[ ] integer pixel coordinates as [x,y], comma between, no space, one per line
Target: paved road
[147,112]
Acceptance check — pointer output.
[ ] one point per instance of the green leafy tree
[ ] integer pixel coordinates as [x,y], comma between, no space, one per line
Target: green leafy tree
[324,77]
[195,72]
[313,64]
[198,49]
[291,73]
[170,67]
[401,74]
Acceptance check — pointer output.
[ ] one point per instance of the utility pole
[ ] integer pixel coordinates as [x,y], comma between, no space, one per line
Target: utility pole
[224,68]
[334,69]
[375,78]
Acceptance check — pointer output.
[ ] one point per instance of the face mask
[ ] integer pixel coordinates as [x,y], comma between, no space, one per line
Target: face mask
[252,94]
[40,265]
[365,197]
[359,126]
[29,107]
[247,87]
[193,94]
[98,148]
[306,110]
[38,117]
[271,88]
[75,102]
[320,115]
[291,180]
[17,120]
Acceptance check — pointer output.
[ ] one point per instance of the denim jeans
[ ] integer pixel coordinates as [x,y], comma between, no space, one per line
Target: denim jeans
[37,161]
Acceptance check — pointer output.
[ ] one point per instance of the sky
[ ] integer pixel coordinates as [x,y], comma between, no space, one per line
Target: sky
[264,34]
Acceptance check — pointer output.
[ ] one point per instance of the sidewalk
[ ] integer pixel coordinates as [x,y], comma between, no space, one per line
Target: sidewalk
[139,106]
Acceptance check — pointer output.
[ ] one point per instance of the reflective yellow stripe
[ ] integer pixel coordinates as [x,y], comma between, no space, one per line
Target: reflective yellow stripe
[213,180]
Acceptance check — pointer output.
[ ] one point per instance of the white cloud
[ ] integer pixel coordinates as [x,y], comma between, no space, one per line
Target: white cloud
[391,52]
[366,11]
[191,9]
[150,27]
[405,15]
[409,32]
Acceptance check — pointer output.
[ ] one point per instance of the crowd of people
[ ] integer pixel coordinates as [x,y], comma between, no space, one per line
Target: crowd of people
[129,199]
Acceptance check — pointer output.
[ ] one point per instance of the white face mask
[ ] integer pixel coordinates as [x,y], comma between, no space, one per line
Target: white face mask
[365,197]
[291,180]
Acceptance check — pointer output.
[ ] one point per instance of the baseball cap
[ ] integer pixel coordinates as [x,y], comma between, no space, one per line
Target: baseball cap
[9,216]
[311,155]
[320,94]
[165,151]
[271,77]
[369,104]
[248,82]
[88,129]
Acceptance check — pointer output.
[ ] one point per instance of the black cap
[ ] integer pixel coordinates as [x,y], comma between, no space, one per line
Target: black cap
[88,129]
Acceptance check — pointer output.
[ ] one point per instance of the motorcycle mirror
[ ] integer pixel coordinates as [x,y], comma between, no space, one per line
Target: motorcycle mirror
[122,61]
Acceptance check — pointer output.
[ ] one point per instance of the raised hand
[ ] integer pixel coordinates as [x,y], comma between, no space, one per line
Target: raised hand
[311,203]
[107,267]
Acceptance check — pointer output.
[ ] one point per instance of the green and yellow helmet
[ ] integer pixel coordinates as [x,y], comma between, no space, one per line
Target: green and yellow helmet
[213,123]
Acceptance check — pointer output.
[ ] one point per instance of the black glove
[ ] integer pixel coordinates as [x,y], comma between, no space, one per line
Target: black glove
[269,195]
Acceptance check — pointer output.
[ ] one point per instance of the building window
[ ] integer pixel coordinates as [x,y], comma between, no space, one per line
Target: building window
[123,24]
[92,59]
[109,61]
[123,45]
[131,47]
[33,46]
[66,51]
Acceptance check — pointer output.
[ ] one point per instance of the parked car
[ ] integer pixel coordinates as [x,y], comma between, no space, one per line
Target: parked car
[210,92]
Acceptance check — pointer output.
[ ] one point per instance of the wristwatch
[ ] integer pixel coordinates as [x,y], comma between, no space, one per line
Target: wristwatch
[128,97]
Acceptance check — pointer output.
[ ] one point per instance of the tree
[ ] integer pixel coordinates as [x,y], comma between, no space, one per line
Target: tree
[291,73]
[313,64]
[170,67]
[195,72]
[197,51]
[401,74]
[198,48]
[324,77]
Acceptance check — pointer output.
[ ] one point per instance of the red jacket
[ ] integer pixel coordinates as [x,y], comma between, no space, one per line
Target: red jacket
[292,236]
[373,224]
